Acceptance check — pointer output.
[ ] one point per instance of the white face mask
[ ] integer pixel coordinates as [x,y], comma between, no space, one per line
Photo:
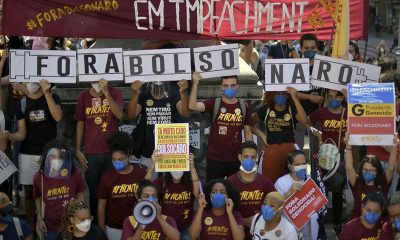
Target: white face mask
[33,87]
[177,175]
[382,50]
[96,87]
[56,164]
[84,226]
[251,171]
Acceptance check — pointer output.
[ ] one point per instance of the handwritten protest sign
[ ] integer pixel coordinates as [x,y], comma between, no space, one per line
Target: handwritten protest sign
[94,64]
[217,61]
[281,73]
[6,167]
[157,65]
[302,204]
[172,142]
[371,114]
[333,73]
[35,65]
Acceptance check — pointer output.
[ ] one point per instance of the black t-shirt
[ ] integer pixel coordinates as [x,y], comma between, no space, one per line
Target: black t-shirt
[279,124]
[278,51]
[40,125]
[94,233]
[154,112]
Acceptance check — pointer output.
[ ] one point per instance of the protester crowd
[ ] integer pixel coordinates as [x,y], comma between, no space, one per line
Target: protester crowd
[244,191]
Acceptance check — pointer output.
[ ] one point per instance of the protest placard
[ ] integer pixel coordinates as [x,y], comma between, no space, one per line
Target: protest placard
[371,114]
[34,65]
[333,73]
[194,135]
[6,167]
[302,204]
[217,61]
[172,142]
[281,73]
[97,63]
[157,65]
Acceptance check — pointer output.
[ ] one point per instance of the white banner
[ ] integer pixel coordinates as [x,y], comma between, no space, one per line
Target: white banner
[7,168]
[35,65]
[281,73]
[333,73]
[217,61]
[157,65]
[94,64]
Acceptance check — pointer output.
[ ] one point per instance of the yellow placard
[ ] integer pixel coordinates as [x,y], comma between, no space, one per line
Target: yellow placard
[371,110]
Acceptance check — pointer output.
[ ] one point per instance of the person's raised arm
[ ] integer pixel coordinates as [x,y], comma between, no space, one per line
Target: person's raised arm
[313,98]
[115,108]
[301,114]
[54,108]
[194,176]
[348,157]
[392,160]
[155,157]
[134,108]
[194,105]
[237,230]
[183,104]
[195,228]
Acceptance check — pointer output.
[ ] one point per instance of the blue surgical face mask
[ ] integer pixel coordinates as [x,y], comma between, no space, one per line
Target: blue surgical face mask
[218,200]
[397,224]
[368,177]
[371,217]
[151,199]
[119,165]
[248,164]
[334,103]
[6,219]
[310,54]
[267,212]
[301,172]
[280,100]
[229,92]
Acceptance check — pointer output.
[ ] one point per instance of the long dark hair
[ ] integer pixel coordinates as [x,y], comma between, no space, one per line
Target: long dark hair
[374,161]
[268,99]
[69,211]
[231,191]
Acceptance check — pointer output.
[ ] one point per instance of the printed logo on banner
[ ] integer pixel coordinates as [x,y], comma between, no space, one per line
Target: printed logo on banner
[94,64]
[333,73]
[283,73]
[157,65]
[34,65]
[217,61]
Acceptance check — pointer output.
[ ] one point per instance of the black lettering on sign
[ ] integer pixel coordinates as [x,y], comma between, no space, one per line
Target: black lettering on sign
[160,59]
[324,68]
[89,60]
[358,110]
[60,64]
[40,65]
[208,65]
[347,79]
[135,63]
[275,74]
[227,53]
[298,73]
[111,63]
[176,63]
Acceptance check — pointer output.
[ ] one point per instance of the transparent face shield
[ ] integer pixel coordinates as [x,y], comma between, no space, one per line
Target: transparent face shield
[159,90]
[58,164]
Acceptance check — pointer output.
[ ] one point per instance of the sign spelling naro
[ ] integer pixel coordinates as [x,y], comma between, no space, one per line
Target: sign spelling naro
[281,73]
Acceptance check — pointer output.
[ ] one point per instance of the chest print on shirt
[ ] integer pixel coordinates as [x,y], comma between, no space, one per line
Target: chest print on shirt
[37,116]
[272,114]
[208,221]
[223,130]
[96,102]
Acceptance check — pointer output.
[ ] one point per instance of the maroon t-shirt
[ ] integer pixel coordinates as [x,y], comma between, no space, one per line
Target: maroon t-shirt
[360,189]
[354,230]
[330,124]
[226,130]
[152,231]
[119,191]
[176,201]
[99,121]
[217,227]
[388,232]
[57,192]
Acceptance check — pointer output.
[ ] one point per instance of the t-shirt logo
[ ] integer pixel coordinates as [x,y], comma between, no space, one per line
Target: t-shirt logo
[278,233]
[97,120]
[222,130]
[223,110]
[104,127]
[287,117]
[96,102]
[149,103]
[37,116]
[238,111]
[208,221]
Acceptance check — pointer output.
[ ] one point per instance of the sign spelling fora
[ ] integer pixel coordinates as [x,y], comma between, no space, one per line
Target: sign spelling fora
[35,65]
[281,73]
[371,114]
[333,73]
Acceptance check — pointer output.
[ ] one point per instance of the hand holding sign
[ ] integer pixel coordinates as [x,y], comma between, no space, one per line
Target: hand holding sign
[156,156]
[135,86]
[104,86]
[292,91]
[4,55]
[196,77]
[183,85]
[45,85]
[201,200]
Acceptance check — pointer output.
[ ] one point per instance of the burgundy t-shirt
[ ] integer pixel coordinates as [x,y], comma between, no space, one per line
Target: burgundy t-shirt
[226,130]
[354,230]
[151,231]
[57,192]
[217,227]
[360,189]
[388,233]
[176,201]
[119,191]
[330,124]
[99,121]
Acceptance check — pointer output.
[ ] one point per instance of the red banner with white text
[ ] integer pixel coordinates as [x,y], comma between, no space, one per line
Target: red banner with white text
[180,19]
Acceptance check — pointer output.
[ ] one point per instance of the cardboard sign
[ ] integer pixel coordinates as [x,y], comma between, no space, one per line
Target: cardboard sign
[94,64]
[281,73]
[35,65]
[157,65]
[302,204]
[333,73]
[371,114]
[217,61]
[194,135]
[7,168]
[172,142]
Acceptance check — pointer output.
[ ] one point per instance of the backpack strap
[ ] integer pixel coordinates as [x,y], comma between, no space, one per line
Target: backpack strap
[255,222]
[17,225]
[291,116]
[266,116]
[243,108]
[23,105]
[217,105]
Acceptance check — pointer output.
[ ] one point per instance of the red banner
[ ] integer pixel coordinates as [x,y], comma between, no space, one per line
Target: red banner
[180,19]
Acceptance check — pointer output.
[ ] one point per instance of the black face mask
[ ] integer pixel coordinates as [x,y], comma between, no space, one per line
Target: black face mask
[6,210]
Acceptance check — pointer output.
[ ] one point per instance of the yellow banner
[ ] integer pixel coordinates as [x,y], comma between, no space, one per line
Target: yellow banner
[371,110]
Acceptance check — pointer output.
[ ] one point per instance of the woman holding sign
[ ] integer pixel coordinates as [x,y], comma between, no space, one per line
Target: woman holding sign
[280,112]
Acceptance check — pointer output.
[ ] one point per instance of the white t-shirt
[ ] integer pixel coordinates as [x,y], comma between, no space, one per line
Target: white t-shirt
[284,183]
[284,230]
